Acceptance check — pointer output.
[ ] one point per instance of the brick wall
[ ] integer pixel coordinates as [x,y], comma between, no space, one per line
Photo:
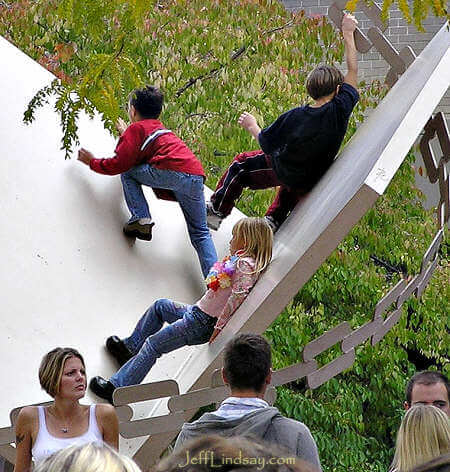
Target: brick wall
[371,65]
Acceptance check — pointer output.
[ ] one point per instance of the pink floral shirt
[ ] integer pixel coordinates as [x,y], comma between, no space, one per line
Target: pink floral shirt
[223,302]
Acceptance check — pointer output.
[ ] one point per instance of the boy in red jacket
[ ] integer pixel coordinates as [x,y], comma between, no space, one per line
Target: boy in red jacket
[149,154]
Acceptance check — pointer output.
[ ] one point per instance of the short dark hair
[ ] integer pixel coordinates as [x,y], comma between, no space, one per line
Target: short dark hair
[148,101]
[323,81]
[426,377]
[247,362]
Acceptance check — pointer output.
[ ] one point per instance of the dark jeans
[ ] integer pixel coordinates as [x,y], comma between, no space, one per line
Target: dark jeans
[188,190]
[187,326]
[254,170]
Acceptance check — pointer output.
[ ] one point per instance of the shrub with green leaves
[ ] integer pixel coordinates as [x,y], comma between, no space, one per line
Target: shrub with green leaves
[354,417]
[215,60]
[212,61]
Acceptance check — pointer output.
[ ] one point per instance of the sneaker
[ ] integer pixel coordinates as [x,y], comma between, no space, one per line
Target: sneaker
[213,217]
[273,223]
[118,350]
[140,229]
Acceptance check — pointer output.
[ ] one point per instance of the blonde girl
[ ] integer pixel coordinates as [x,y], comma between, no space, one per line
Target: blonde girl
[423,435]
[43,430]
[87,458]
[229,281]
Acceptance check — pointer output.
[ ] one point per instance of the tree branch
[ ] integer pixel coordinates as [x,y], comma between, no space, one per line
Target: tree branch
[233,57]
[116,55]
[211,73]
[289,24]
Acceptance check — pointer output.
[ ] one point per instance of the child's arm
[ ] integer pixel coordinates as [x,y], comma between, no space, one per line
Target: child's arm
[121,126]
[85,156]
[243,281]
[348,28]
[248,122]
[127,153]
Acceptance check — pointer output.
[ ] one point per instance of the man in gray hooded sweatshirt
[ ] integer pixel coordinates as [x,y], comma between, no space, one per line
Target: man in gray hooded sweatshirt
[247,371]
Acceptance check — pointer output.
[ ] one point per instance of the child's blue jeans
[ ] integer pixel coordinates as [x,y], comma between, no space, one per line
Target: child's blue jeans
[188,325]
[188,190]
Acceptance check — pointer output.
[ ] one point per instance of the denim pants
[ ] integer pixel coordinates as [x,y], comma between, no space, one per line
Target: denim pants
[188,325]
[188,190]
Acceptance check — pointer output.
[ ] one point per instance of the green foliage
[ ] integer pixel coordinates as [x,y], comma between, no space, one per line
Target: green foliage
[214,60]
[210,60]
[354,417]
[417,10]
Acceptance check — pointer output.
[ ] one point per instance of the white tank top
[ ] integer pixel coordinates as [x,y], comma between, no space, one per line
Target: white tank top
[46,444]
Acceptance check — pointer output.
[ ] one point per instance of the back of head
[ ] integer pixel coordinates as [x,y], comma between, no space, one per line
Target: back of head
[216,453]
[323,81]
[424,434]
[247,362]
[426,377]
[257,239]
[147,101]
[87,458]
[52,366]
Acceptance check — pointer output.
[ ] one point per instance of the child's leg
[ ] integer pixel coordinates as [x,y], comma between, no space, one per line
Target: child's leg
[250,169]
[163,310]
[134,196]
[196,327]
[192,203]
[284,203]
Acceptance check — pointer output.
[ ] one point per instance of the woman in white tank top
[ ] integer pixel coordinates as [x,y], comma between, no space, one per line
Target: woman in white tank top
[41,431]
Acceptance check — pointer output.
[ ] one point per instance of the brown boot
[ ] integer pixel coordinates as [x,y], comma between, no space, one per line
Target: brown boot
[140,229]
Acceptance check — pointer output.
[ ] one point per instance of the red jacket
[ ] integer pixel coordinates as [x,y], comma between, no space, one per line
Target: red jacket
[162,150]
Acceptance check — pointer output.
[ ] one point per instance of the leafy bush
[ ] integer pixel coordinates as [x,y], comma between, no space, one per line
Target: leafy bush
[211,61]
[354,417]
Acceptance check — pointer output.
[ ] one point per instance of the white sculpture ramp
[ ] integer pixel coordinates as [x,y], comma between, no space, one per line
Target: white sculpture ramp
[68,275]
[358,177]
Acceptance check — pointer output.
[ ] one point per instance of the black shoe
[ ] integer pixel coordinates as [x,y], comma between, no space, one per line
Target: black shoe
[118,350]
[102,388]
[140,229]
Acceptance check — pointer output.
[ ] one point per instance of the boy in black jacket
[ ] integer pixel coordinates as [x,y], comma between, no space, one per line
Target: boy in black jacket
[298,147]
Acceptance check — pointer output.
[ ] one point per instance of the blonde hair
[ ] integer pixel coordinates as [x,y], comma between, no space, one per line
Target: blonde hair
[52,367]
[256,237]
[90,457]
[423,435]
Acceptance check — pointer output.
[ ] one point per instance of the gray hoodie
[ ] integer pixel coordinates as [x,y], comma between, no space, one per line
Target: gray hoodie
[266,423]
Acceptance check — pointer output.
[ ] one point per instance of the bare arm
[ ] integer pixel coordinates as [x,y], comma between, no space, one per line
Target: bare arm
[348,30]
[248,122]
[24,440]
[109,423]
[121,126]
